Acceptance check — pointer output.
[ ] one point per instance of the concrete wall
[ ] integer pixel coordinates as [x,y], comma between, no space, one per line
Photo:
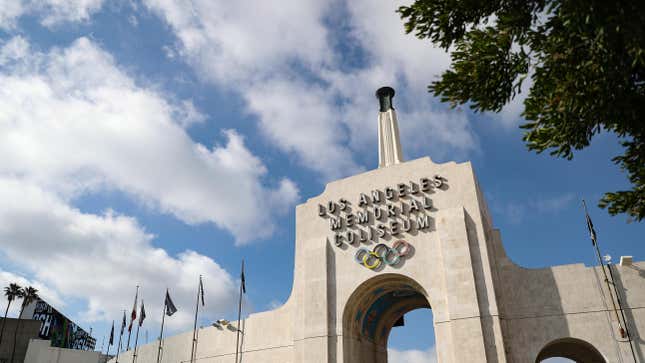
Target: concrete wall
[28,329]
[39,351]
[485,308]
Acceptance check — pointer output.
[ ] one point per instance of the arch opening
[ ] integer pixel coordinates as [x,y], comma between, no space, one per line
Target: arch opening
[570,348]
[373,310]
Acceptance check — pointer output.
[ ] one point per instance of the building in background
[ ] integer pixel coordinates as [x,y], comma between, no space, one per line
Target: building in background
[27,331]
[57,328]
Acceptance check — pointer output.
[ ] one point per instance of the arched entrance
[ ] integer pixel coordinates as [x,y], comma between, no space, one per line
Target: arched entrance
[371,312]
[571,348]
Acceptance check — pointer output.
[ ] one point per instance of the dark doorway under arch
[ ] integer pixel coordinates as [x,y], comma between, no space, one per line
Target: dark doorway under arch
[571,348]
[371,312]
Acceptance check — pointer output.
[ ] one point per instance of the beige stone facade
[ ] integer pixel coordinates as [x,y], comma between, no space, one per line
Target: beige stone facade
[485,307]
[40,351]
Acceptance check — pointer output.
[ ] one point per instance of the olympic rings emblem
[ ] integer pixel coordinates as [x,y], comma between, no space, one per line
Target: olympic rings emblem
[381,253]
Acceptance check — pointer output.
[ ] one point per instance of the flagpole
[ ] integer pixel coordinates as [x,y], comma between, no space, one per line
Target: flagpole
[134,354]
[239,315]
[112,336]
[163,318]
[192,349]
[602,266]
[622,313]
[136,340]
[135,308]
[118,350]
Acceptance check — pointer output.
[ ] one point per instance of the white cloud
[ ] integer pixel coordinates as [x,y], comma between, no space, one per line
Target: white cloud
[14,49]
[73,122]
[44,292]
[258,37]
[295,116]
[95,257]
[412,356]
[50,12]
[9,12]
[281,60]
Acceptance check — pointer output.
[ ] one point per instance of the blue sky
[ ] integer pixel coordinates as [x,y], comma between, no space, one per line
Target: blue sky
[152,141]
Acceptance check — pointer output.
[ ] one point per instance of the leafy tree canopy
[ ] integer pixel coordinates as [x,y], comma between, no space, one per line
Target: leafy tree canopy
[586,60]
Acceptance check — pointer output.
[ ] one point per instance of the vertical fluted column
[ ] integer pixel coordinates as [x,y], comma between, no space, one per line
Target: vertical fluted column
[389,149]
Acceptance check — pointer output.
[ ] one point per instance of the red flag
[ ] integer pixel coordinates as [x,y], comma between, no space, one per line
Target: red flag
[133,317]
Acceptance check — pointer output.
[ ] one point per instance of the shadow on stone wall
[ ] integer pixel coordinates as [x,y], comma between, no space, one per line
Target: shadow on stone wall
[530,306]
[627,313]
[331,302]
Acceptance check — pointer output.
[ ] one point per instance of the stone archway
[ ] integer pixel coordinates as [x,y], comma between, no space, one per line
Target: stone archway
[371,312]
[571,348]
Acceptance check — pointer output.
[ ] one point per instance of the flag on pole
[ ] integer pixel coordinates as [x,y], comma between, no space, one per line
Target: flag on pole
[111,335]
[170,307]
[143,314]
[243,280]
[133,316]
[592,231]
[201,289]
[123,323]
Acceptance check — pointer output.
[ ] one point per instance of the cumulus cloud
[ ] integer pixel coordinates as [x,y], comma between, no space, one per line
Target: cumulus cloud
[93,257]
[412,356]
[74,123]
[50,12]
[44,292]
[309,100]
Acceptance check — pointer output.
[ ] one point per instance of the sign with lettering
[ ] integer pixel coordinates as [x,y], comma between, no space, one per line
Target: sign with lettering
[59,330]
[384,214]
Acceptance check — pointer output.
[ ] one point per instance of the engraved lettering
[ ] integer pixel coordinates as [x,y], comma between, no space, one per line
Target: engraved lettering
[335,223]
[380,229]
[376,196]
[363,201]
[414,188]
[350,220]
[362,235]
[331,207]
[423,222]
[425,184]
[391,210]
[394,228]
[407,225]
[402,189]
[438,181]
[338,239]
[378,214]
[351,237]
[414,206]
[389,193]
[363,217]
[427,203]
